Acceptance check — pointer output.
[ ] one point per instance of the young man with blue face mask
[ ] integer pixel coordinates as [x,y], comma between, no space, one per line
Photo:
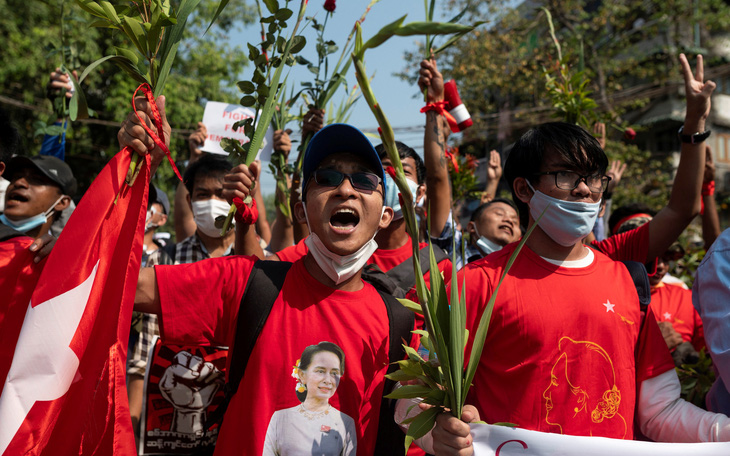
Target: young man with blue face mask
[40,188]
[563,302]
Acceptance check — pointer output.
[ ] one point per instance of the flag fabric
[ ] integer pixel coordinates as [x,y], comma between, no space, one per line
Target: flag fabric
[64,392]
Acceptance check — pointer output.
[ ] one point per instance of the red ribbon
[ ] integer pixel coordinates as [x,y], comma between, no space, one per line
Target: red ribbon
[440,107]
[145,88]
[452,157]
[245,214]
[708,188]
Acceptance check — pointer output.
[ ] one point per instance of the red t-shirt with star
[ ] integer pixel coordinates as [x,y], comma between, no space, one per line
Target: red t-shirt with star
[673,303]
[562,352]
[200,304]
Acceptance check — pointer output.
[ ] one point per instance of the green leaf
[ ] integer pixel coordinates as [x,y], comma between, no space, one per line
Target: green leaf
[110,12]
[77,108]
[421,425]
[135,32]
[272,6]
[283,14]
[409,392]
[432,28]
[248,101]
[380,37]
[92,7]
[246,86]
[410,305]
[218,11]
[298,43]
[131,55]
[170,43]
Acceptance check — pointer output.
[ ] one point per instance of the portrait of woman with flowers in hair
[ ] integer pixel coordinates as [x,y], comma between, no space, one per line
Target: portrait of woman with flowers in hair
[314,427]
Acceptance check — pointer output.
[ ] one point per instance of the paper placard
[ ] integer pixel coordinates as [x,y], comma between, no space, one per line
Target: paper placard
[503,441]
[219,119]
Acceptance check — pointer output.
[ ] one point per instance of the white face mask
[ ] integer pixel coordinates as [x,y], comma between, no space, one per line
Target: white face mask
[150,226]
[205,212]
[338,267]
[30,223]
[392,192]
[485,245]
[566,222]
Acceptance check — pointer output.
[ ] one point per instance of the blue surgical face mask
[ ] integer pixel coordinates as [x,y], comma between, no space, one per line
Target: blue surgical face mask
[391,195]
[29,223]
[566,222]
[485,245]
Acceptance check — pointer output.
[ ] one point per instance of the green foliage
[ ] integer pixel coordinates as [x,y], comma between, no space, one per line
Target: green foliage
[646,180]
[696,379]
[205,68]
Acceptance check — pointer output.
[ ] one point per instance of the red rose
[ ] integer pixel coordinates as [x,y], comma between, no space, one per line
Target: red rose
[629,134]
[329,5]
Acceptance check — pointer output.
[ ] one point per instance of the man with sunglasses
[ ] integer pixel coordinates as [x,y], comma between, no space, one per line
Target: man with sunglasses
[322,297]
[562,304]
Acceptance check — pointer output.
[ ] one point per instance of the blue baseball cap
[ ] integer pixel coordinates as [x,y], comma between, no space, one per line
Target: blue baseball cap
[339,138]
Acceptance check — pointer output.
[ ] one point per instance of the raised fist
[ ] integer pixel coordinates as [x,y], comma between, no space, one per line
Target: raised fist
[190,384]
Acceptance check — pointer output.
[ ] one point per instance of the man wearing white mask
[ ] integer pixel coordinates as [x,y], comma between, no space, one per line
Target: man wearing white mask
[566,351]
[40,188]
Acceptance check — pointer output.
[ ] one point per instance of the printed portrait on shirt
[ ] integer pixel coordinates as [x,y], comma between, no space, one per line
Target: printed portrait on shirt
[314,427]
[579,397]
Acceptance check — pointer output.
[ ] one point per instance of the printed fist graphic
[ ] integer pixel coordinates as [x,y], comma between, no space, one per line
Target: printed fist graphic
[190,384]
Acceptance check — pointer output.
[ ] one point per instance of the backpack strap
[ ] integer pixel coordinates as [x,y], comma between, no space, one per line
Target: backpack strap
[403,273]
[382,281]
[401,320]
[266,280]
[639,276]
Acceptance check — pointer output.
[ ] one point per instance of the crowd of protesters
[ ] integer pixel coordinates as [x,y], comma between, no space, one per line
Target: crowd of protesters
[297,318]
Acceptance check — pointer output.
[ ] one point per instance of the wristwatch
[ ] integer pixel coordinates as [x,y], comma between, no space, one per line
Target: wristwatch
[696,138]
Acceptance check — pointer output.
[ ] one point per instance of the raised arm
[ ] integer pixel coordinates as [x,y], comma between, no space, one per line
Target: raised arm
[282,230]
[184,223]
[710,220]
[438,187]
[684,202]
[494,174]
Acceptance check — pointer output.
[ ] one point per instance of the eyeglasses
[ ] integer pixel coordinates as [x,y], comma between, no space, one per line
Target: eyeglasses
[568,180]
[360,181]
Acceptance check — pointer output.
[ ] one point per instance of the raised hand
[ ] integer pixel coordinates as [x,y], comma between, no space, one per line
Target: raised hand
[615,172]
[431,79]
[698,91]
[133,135]
[196,141]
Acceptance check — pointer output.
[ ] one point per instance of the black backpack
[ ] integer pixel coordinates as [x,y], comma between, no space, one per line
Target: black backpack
[400,279]
[267,279]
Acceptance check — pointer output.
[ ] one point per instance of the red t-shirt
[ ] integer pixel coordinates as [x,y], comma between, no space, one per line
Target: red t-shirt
[673,303]
[200,305]
[632,245]
[560,352]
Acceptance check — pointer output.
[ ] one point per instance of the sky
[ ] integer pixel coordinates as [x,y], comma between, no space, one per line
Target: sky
[400,100]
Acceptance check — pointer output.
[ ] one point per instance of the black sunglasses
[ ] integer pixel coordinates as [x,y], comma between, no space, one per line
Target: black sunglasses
[360,181]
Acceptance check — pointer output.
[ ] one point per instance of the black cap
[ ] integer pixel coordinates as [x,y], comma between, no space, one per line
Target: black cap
[336,138]
[158,196]
[55,169]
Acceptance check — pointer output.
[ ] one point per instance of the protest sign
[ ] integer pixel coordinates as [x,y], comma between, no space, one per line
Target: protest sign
[504,441]
[219,119]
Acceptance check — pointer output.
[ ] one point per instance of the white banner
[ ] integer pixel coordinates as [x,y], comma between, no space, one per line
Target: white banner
[219,119]
[503,441]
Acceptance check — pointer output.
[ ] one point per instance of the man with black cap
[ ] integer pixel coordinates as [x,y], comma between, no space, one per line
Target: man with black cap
[40,189]
[321,298]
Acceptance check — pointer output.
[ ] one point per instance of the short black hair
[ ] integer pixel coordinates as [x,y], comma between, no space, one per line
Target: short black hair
[564,139]
[404,151]
[478,211]
[206,166]
[9,137]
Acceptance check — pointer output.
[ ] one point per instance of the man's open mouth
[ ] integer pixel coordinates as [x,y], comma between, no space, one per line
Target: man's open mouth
[344,220]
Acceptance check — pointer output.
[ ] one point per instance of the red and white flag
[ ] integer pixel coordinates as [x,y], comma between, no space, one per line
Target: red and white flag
[64,392]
